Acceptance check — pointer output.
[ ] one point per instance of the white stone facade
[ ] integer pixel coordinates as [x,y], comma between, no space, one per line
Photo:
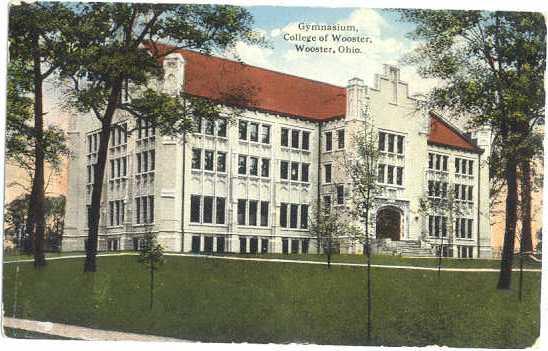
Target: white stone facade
[167,189]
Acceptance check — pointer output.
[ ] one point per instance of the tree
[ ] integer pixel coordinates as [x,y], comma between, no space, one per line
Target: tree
[118,50]
[36,44]
[362,164]
[16,220]
[330,227]
[443,202]
[152,257]
[492,68]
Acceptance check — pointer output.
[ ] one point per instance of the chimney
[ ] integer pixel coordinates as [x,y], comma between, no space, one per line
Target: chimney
[174,73]
[393,75]
[356,95]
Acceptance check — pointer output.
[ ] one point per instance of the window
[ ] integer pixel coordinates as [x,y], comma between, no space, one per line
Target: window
[465,251]
[197,125]
[430,161]
[294,171]
[457,165]
[380,173]
[283,215]
[221,162]
[470,167]
[137,211]
[196,160]
[253,166]
[470,223]
[293,215]
[470,193]
[242,164]
[390,175]
[340,194]
[221,127]
[304,216]
[399,176]
[144,209]
[208,160]
[285,137]
[253,132]
[112,172]
[328,141]
[437,226]
[241,211]
[265,134]
[265,167]
[399,144]
[340,138]
[306,140]
[111,212]
[391,138]
[194,209]
[208,209]
[463,166]
[304,172]
[284,169]
[253,212]
[382,141]
[327,201]
[220,210]
[444,166]
[327,173]
[139,160]
[242,130]
[264,214]
[209,126]
[295,139]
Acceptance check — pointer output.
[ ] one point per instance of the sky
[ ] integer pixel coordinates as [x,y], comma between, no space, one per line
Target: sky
[388,44]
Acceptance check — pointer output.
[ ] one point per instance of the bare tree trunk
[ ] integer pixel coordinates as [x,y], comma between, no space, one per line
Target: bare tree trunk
[505,277]
[38,211]
[151,283]
[526,243]
[369,292]
[90,264]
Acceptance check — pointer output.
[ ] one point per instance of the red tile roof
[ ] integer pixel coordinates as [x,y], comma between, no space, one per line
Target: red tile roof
[224,80]
[441,133]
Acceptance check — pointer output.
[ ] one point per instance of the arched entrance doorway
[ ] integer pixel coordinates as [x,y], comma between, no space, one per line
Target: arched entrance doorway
[388,224]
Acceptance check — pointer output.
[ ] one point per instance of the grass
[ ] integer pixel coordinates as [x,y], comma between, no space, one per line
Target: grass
[402,261]
[261,302]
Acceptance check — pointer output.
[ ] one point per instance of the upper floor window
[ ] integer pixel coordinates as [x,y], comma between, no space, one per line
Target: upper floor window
[437,162]
[392,143]
[253,132]
[464,166]
[284,169]
[327,169]
[242,130]
[306,141]
[340,194]
[265,134]
[328,141]
[389,174]
[285,137]
[340,138]
[295,139]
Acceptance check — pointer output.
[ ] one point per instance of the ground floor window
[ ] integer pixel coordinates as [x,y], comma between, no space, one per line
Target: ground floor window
[465,251]
[285,246]
[304,248]
[264,246]
[195,244]
[446,251]
[220,244]
[253,245]
[208,244]
[113,244]
[243,245]
[294,246]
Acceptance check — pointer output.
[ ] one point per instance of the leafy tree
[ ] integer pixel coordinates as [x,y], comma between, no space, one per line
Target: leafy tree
[492,67]
[152,257]
[441,200]
[120,45]
[36,43]
[330,227]
[361,164]
[16,220]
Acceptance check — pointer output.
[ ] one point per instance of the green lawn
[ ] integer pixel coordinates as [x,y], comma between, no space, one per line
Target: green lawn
[234,301]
